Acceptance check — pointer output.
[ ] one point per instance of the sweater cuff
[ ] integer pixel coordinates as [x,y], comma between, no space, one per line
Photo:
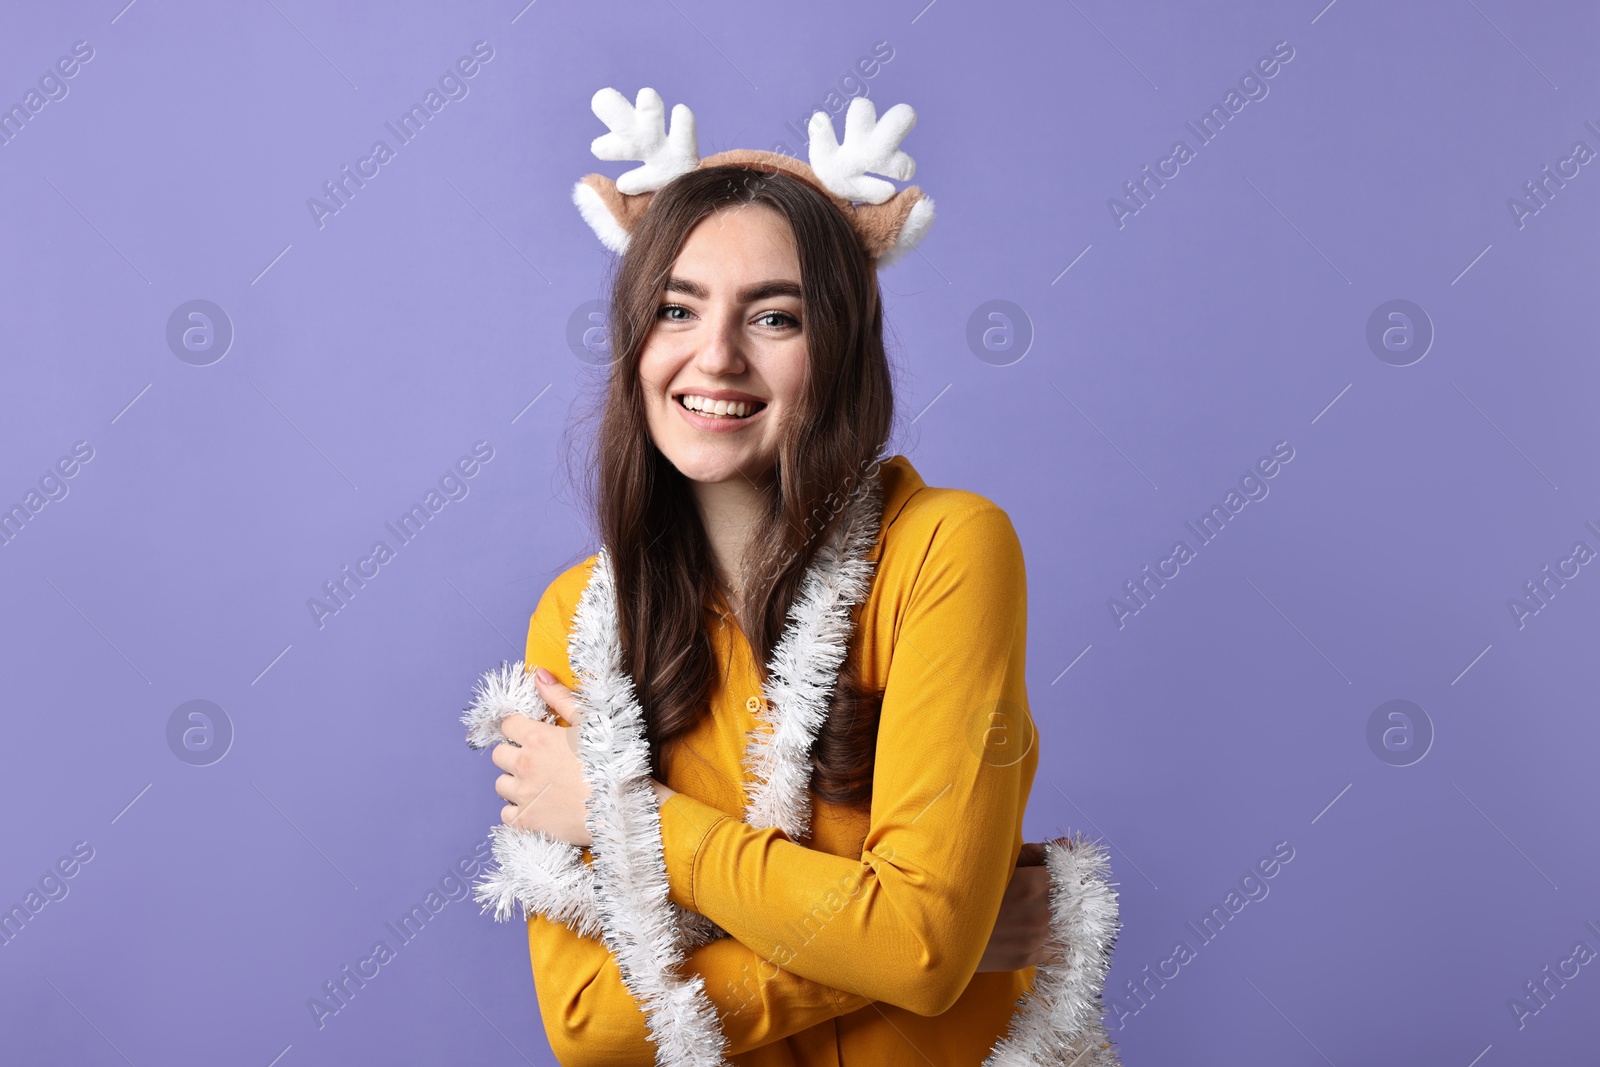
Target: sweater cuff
[685,825]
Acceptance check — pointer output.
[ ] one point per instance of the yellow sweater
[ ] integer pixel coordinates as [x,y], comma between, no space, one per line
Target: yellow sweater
[859,946]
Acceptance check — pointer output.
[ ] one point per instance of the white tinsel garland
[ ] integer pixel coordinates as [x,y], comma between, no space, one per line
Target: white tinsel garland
[622,896]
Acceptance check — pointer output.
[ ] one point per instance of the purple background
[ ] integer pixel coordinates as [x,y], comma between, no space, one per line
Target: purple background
[1228,314]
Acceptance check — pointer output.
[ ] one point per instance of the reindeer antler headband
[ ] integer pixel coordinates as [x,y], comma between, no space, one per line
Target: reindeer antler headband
[888,223]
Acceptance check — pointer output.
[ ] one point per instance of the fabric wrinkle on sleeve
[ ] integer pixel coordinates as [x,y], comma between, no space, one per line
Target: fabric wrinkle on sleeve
[590,1017]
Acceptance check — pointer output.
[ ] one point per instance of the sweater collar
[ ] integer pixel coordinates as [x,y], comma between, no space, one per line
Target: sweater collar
[900,481]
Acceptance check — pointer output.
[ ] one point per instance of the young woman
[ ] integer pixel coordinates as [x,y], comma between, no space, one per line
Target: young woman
[749,400]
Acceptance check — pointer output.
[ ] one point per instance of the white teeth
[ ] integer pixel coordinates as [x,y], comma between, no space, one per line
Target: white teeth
[717,408]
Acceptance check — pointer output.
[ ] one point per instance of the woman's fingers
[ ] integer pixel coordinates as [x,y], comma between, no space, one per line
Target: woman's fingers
[561,700]
[543,785]
[1023,925]
[1032,854]
[1032,888]
[522,733]
[521,755]
[517,733]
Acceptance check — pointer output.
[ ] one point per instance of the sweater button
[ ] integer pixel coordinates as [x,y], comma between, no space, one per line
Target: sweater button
[753,705]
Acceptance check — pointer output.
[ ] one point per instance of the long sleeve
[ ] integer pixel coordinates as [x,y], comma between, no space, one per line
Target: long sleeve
[907,922]
[589,1016]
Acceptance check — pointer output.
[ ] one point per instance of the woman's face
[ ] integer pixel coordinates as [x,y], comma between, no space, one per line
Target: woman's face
[728,332]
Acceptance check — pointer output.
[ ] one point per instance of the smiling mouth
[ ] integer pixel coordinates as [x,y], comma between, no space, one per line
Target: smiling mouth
[732,410]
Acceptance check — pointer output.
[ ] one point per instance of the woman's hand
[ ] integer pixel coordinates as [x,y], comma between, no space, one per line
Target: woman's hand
[1023,926]
[543,786]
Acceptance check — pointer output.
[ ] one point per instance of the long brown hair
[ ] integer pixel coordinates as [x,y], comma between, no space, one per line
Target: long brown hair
[643,504]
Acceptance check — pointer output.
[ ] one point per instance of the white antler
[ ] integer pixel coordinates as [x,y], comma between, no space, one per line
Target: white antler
[870,144]
[639,131]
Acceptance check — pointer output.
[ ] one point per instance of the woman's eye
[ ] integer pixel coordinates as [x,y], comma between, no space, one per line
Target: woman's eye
[771,319]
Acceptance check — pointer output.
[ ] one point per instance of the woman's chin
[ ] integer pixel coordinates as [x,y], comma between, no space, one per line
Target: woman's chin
[716,462]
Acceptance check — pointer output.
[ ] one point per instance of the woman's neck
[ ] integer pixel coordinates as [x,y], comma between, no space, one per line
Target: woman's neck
[733,513]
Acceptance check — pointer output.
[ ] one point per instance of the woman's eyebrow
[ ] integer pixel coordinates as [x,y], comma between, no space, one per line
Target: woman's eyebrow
[749,294]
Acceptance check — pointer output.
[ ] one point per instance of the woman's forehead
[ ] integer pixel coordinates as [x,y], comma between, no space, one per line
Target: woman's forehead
[734,241]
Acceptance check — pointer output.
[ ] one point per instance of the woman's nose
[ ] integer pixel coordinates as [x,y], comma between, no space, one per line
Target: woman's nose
[722,351]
